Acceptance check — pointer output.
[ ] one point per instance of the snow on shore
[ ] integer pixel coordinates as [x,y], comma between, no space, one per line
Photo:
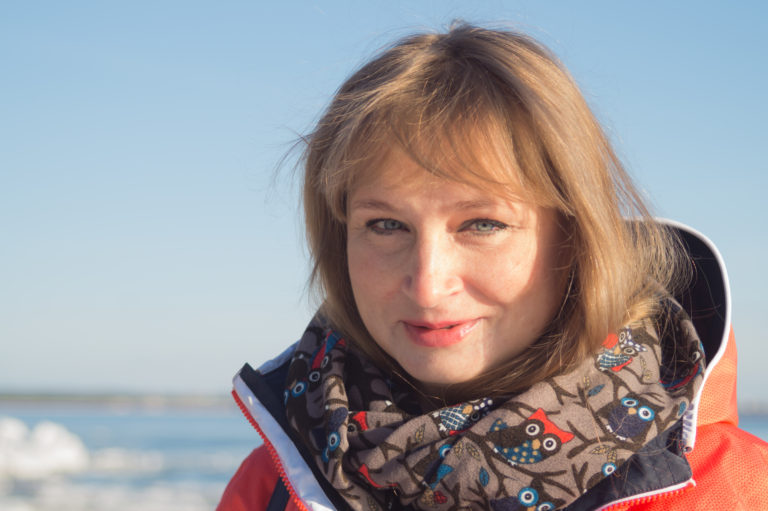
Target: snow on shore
[40,452]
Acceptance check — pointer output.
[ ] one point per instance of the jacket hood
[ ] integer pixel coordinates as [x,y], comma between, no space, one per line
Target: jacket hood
[707,300]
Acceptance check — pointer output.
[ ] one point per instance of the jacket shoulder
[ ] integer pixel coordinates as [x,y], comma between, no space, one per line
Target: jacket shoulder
[252,485]
[728,464]
[729,467]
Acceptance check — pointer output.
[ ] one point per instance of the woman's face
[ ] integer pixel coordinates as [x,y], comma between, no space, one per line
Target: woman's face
[448,280]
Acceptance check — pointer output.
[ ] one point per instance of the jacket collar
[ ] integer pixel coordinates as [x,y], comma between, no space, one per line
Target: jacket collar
[707,300]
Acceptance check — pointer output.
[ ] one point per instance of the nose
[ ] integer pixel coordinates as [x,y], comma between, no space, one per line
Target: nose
[433,272]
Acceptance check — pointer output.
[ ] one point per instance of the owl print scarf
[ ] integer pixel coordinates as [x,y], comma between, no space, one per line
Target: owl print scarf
[540,449]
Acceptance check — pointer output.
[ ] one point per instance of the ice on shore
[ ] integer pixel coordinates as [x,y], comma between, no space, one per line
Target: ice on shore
[47,466]
[37,453]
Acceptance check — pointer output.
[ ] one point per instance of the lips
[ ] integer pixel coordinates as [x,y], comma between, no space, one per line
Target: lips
[439,334]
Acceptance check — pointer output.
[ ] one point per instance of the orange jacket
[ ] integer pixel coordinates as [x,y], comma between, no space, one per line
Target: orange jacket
[729,466]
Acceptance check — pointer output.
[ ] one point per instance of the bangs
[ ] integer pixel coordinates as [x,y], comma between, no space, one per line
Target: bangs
[467,138]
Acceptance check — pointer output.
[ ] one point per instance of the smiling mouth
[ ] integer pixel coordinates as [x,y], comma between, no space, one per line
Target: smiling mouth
[438,325]
[438,328]
[439,335]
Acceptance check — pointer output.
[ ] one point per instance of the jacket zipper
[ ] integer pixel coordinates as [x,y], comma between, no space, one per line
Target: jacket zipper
[647,499]
[272,453]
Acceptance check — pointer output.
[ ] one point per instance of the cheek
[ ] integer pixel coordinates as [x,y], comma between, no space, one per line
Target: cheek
[357,273]
[547,280]
[525,278]
[505,274]
[373,288]
[371,282]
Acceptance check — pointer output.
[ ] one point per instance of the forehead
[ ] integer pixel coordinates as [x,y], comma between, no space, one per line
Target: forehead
[393,170]
[398,173]
[442,195]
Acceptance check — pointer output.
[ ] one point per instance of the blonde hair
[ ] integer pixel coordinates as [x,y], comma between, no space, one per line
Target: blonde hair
[496,110]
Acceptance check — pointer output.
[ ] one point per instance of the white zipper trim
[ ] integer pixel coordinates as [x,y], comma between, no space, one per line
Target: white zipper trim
[690,416]
[663,491]
[296,470]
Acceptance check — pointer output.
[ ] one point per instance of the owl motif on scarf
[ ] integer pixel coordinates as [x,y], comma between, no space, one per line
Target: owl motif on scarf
[618,351]
[532,441]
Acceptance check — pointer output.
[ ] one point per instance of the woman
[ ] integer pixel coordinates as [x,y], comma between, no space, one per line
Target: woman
[493,333]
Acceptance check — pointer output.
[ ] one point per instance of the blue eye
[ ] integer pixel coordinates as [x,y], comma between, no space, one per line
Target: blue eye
[484,225]
[609,468]
[334,439]
[298,389]
[384,225]
[528,496]
[645,413]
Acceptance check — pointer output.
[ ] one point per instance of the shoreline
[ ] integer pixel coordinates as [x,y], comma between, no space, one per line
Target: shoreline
[120,401]
[172,401]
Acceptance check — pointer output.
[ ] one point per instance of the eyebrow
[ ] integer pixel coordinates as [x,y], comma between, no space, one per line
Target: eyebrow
[380,205]
[475,204]
[371,204]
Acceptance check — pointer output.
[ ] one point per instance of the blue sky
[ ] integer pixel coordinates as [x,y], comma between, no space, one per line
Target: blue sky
[151,241]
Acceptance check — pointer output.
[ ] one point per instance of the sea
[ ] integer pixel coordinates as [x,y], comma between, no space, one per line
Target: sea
[132,453]
[119,453]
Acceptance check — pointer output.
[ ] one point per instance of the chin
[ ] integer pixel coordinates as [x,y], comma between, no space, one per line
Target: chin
[440,378]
